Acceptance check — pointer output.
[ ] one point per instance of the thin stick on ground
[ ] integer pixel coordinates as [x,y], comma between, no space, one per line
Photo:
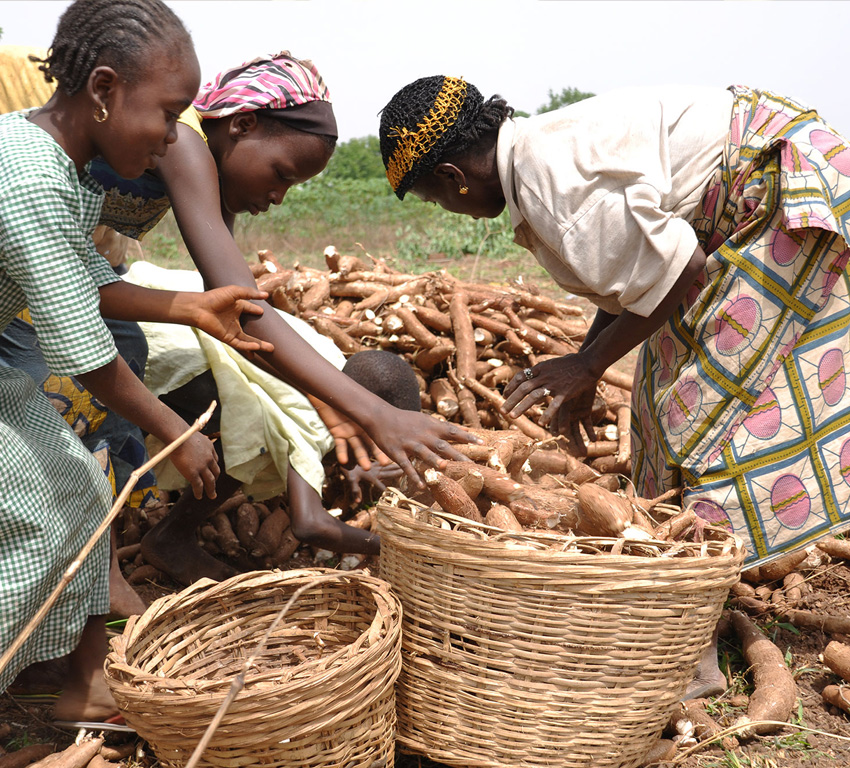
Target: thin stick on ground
[72,569]
[239,681]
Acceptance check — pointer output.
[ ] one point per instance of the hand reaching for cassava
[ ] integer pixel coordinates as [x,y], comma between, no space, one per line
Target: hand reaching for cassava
[351,443]
[391,435]
[570,384]
[378,475]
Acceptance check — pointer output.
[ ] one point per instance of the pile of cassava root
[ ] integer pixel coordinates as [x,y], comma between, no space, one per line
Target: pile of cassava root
[85,752]
[464,341]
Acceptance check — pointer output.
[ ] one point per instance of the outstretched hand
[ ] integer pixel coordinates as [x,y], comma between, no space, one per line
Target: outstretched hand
[219,311]
[570,384]
[378,475]
[407,435]
[350,441]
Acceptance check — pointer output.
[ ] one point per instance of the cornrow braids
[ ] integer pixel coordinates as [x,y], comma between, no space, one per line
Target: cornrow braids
[115,33]
[430,119]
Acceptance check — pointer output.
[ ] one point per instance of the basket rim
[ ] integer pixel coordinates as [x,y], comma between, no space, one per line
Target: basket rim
[470,539]
[380,631]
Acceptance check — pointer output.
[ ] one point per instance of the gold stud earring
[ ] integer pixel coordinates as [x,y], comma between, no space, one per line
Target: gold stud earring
[101,114]
[464,190]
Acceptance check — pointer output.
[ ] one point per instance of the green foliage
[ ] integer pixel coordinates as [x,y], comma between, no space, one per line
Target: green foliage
[566,96]
[356,159]
[166,243]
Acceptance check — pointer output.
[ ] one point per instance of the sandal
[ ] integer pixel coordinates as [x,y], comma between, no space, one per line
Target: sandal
[115,723]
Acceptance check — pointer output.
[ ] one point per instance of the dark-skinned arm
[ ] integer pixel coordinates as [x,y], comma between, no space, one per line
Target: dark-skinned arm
[217,312]
[191,177]
[572,379]
[120,390]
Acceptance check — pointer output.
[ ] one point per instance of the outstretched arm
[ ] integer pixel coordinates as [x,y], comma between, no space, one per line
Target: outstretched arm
[572,379]
[216,312]
[191,177]
[120,390]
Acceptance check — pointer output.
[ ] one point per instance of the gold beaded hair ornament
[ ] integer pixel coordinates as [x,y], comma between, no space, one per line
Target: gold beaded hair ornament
[414,144]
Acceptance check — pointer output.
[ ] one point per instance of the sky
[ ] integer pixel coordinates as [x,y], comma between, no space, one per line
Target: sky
[368,49]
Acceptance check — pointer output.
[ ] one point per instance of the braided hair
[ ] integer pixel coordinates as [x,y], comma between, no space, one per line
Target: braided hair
[115,33]
[430,119]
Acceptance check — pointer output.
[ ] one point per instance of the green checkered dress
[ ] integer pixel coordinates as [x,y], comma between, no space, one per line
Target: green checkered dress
[53,493]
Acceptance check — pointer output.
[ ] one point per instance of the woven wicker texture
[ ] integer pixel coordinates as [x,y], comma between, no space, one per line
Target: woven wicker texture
[544,649]
[320,694]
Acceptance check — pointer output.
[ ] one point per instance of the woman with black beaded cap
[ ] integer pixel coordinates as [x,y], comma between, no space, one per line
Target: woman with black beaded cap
[125,70]
[708,225]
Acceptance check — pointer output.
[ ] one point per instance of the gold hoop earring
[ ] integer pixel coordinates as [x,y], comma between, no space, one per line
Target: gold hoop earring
[101,114]
[464,190]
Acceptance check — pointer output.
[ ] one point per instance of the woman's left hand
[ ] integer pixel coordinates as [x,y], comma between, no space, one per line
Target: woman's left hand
[219,311]
[569,382]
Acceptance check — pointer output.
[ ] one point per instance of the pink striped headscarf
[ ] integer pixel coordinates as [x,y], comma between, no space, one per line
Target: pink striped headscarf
[276,83]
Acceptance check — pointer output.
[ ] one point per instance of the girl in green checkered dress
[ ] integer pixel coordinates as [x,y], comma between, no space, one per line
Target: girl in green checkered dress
[125,70]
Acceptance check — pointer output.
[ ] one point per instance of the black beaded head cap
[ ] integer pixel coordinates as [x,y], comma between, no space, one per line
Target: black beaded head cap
[421,122]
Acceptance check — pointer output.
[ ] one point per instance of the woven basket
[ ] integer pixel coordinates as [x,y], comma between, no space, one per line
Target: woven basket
[544,649]
[320,694]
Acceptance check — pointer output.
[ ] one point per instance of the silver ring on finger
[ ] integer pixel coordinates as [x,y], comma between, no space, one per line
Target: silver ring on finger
[547,392]
[529,374]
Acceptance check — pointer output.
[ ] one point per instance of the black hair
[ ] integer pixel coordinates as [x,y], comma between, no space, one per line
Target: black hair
[115,33]
[386,375]
[406,110]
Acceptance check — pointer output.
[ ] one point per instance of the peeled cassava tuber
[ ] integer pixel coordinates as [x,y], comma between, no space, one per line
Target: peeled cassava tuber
[602,513]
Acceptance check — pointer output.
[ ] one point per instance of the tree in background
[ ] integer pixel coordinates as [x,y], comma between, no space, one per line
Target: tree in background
[356,159]
[566,96]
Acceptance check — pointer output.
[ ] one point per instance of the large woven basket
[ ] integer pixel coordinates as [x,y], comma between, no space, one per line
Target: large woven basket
[544,649]
[320,694]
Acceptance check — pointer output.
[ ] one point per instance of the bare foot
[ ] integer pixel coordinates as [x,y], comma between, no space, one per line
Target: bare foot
[181,557]
[124,601]
[86,695]
[708,680]
[92,702]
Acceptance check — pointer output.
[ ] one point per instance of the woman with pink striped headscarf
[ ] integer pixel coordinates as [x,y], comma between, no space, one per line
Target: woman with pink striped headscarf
[251,134]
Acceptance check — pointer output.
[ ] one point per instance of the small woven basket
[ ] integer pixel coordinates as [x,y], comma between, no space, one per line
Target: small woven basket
[543,649]
[320,693]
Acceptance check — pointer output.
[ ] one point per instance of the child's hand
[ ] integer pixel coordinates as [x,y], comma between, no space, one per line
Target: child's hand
[377,475]
[349,436]
[219,311]
[196,460]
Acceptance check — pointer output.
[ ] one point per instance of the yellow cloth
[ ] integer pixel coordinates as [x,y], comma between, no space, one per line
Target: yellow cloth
[266,425]
[191,117]
[22,83]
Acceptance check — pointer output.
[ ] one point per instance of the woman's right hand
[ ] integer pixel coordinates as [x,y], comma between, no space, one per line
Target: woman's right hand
[196,460]
[407,435]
